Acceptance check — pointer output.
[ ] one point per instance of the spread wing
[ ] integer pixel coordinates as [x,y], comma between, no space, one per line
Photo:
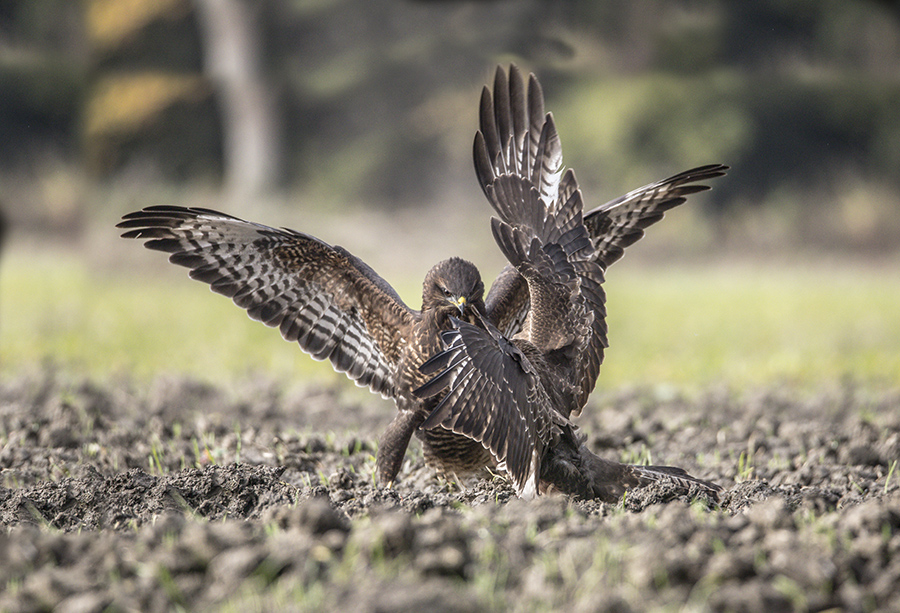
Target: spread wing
[612,227]
[323,297]
[495,397]
[508,393]
[513,123]
[559,301]
[621,222]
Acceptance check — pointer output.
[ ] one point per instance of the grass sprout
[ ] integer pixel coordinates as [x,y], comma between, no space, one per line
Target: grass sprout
[891,471]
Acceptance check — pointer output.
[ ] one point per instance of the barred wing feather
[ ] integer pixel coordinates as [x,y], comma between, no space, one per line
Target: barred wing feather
[323,297]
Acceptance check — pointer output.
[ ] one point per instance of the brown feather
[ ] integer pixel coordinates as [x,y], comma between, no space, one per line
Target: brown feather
[481,381]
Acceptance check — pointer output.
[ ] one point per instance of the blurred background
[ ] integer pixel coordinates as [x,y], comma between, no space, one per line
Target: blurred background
[353,120]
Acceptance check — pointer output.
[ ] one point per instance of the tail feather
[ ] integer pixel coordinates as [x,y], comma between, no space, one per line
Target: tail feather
[651,474]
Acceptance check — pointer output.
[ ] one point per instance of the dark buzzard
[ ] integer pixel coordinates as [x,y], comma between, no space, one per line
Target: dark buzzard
[481,380]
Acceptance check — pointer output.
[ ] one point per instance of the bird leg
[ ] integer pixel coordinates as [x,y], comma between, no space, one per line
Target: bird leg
[393,443]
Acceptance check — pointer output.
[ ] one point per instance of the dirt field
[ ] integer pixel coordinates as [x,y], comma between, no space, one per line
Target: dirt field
[149,497]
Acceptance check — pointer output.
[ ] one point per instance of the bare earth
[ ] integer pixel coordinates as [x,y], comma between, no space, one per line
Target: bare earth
[135,497]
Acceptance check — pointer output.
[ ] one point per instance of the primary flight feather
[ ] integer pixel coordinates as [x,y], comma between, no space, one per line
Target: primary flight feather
[482,380]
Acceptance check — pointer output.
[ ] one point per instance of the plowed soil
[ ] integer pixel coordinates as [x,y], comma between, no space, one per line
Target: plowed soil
[125,496]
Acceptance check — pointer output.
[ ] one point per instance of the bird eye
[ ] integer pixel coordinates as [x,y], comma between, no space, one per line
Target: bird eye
[447,292]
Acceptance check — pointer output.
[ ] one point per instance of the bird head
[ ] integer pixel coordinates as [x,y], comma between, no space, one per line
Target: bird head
[453,287]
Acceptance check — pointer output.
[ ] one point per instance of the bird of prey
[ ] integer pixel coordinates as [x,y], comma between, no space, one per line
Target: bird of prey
[483,381]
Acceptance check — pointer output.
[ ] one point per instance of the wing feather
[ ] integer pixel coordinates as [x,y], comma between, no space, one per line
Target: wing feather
[494,396]
[533,192]
[621,222]
[327,300]
[540,230]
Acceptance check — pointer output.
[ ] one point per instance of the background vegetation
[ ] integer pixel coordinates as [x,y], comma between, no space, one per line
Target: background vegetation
[362,129]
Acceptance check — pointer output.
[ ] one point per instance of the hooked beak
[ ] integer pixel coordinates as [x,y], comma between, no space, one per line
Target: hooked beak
[461,304]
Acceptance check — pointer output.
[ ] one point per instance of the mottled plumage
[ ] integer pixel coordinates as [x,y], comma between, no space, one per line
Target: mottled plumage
[514,378]
[481,380]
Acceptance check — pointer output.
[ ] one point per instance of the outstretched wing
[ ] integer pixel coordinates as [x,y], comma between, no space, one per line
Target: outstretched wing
[621,222]
[518,161]
[518,138]
[612,227]
[495,397]
[323,297]
[505,393]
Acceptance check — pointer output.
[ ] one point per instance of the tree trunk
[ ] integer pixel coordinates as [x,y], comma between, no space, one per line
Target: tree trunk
[232,33]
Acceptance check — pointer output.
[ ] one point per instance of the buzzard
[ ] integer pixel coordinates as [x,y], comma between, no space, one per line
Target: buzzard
[482,380]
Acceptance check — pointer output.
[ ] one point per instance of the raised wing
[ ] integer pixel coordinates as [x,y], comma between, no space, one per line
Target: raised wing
[621,222]
[518,138]
[495,397]
[329,301]
[507,392]
[518,161]
[612,227]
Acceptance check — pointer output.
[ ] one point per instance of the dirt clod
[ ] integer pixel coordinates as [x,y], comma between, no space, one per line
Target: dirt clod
[179,494]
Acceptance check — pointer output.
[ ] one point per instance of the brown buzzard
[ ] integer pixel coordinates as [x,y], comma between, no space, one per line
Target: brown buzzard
[481,380]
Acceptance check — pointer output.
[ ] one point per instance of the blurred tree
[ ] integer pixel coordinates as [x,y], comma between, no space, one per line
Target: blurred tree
[377,90]
[42,83]
[363,100]
[799,97]
[234,61]
[42,77]
[148,105]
